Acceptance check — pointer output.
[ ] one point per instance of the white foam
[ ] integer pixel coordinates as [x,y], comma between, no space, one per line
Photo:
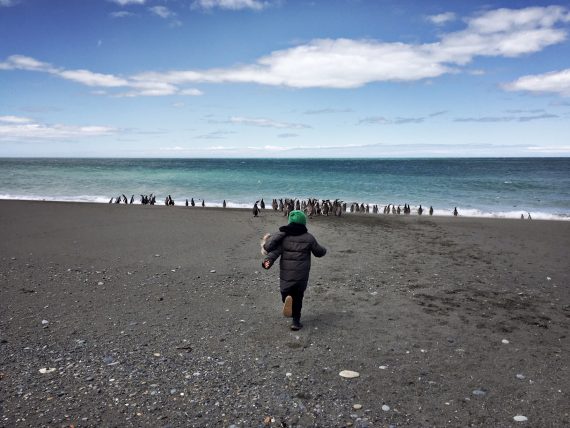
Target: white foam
[463,212]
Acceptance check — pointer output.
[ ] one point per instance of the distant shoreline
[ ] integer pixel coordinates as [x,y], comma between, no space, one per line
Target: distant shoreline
[241,207]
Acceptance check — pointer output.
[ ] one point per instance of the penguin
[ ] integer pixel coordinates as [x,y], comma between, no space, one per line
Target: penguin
[192,203]
[430,210]
[255,209]
[224,204]
[455,212]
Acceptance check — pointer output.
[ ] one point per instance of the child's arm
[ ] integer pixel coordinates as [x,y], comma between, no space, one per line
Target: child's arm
[271,257]
[318,250]
[274,242]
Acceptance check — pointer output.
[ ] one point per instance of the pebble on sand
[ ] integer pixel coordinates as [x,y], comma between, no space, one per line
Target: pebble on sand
[357,406]
[520,418]
[349,374]
[505,341]
[46,370]
[45,322]
[385,407]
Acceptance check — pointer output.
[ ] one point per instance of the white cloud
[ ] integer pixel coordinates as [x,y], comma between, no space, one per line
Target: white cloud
[162,11]
[138,87]
[380,120]
[442,18]
[266,123]
[191,92]
[127,2]
[503,32]
[557,82]
[347,63]
[550,149]
[14,128]
[230,4]
[507,20]
[121,14]
[21,62]
[14,119]
[89,78]
[8,3]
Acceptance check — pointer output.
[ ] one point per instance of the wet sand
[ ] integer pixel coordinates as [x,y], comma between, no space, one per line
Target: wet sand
[162,316]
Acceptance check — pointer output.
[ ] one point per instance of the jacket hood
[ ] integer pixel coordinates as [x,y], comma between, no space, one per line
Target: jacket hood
[294,229]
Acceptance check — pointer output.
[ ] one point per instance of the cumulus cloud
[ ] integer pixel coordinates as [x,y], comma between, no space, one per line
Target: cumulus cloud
[442,18]
[230,4]
[266,123]
[557,82]
[14,128]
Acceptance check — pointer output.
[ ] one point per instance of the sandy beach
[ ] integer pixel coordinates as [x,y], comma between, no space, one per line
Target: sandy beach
[163,316]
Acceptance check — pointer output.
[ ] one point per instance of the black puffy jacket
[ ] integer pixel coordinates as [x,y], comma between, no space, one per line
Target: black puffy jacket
[295,245]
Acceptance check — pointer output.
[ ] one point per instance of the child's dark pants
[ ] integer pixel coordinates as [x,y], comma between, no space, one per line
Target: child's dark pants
[297,295]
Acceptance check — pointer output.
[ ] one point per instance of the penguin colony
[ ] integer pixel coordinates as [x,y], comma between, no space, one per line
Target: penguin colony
[311,207]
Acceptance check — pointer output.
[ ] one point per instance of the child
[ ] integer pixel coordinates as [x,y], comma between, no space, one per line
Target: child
[295,245]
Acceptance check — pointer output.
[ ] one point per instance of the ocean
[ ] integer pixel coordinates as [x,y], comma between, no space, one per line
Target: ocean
[483,187]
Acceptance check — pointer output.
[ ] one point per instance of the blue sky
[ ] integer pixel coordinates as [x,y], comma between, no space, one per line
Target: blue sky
[284,78]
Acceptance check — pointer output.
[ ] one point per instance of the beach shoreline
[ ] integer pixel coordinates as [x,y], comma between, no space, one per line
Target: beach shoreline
[154,316]
[465,213]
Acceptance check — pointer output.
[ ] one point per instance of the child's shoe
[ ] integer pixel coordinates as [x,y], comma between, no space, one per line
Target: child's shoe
[288,307]
[296,324]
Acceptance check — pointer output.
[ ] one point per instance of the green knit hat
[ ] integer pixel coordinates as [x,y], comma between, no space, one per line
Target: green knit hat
[297,216]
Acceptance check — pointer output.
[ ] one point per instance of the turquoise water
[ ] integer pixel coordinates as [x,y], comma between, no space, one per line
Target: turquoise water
[477,187]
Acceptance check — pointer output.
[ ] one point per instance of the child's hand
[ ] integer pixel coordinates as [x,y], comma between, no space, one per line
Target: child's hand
[266,264]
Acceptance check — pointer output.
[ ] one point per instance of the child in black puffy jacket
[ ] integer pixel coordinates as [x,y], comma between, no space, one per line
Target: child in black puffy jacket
[294,244]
